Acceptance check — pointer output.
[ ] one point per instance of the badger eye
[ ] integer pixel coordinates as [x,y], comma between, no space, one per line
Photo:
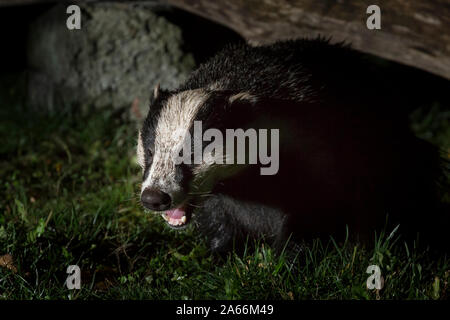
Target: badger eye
[148,157]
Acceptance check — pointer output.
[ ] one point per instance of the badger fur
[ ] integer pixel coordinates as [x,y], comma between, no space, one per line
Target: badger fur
[346,154]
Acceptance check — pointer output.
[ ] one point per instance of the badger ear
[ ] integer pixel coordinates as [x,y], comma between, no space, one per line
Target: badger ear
[239,106]
[242,101]
[243,97]
[155,93]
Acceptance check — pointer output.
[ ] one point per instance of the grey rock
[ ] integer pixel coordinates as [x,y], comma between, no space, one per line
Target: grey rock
[120,53]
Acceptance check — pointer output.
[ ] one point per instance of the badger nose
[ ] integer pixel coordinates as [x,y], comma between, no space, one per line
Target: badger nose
[154,199]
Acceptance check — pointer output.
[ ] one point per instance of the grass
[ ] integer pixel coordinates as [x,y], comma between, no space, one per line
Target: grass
[69,186]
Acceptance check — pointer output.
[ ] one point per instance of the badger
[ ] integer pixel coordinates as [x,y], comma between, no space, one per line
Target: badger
[346,155]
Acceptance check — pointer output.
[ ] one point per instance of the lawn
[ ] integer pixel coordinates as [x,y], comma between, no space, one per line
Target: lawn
[69,196]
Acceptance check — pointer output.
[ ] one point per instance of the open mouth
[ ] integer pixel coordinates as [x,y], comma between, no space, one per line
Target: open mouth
[177,217]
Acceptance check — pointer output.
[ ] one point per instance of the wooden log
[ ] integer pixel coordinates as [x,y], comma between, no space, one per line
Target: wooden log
[413,32]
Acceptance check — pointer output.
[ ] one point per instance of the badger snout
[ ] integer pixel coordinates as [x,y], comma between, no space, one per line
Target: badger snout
[154,199]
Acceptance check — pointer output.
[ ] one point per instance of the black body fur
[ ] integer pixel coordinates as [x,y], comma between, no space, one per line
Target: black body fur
[347,155]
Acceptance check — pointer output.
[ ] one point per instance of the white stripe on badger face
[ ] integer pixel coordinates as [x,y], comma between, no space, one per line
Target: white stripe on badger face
[140,152]
[174,122]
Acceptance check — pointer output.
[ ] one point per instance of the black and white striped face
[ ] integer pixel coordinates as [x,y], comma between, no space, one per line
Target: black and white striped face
[166,184]
[175,187]
[170,187]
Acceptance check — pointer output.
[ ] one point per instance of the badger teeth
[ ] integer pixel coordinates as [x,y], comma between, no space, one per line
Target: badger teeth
[174,222]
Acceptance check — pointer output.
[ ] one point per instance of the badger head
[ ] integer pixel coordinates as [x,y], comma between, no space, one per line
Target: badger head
[169,187]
